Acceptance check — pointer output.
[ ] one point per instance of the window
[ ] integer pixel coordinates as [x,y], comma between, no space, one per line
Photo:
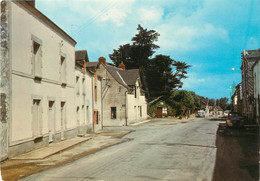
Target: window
[113,112]
[140,111]
[95,93]
[119,89]
[37,131]
[63,119]
[164,110]
[77,85]
[37,61]
[84,114]
[63,70]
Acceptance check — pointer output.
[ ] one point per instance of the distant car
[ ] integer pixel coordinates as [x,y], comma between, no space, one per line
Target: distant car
[226,112]
[234,120]
[200,114]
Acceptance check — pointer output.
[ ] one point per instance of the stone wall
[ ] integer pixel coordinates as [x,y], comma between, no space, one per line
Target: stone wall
[4,81]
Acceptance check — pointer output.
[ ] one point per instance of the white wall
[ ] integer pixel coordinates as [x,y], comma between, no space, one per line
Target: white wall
[24,26]
[134,104]
[83,99]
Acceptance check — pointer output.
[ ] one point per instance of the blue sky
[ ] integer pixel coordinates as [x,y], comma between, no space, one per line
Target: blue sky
[207,34]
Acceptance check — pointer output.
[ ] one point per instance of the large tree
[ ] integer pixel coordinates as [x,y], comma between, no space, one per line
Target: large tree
[160,77]
[136,55]
[157,76]
[223,103]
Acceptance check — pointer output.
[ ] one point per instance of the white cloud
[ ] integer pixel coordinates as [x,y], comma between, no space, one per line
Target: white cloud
[151,15]
[252,43]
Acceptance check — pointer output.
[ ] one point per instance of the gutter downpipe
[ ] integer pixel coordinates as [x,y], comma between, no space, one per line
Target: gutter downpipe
[92,104]
[101,103]
[126,107]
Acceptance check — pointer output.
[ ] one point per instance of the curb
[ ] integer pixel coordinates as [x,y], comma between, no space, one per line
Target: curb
[145,121]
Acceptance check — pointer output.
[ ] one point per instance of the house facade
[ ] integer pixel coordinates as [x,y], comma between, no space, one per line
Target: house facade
[256,72]
[42,58]
[249,57]
[83,94]
[236,99]
[97,104]
[123,100]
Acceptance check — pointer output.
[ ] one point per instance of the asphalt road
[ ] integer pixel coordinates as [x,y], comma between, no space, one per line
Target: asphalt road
[159,150]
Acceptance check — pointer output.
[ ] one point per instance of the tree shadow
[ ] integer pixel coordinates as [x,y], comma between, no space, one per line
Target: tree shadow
[237,154]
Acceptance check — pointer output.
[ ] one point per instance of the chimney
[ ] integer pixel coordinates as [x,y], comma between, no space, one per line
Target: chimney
[102,60]
[31,2]
[122,66]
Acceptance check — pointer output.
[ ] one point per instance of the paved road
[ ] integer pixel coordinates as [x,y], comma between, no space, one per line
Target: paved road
[159,150]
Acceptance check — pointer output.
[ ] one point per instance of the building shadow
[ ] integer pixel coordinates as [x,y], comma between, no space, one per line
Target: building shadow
[237,155]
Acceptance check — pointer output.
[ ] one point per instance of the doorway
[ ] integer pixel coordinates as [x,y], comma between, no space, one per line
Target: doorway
[159,112]
[51,122]
[62,119]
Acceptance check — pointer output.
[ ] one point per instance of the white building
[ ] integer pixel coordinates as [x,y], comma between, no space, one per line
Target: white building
[256,73]
[87,95]
[42,99]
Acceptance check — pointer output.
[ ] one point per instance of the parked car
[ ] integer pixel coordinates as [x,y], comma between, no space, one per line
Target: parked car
[234,120]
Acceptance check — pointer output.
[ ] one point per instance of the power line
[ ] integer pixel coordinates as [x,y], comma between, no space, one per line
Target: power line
[94,18]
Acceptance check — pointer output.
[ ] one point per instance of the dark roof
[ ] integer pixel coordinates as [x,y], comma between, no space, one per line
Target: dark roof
[114,71]
[129,76]
[156,99]
[255,63]
[218,108]
[81,55]
[252,53]
[92,64]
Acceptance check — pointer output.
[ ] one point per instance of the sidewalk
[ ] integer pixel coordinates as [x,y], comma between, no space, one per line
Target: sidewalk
[60,153]
[51,149]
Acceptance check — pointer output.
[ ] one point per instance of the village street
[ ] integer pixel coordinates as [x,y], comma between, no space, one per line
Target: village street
[163,149]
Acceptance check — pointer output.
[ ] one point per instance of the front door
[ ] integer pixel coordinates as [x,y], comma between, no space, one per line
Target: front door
[51,122]
[62,120]
[95,117]
[159,112]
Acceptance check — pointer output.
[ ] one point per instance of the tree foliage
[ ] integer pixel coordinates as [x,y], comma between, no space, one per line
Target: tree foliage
[136,55]
[189,101]
[159,75]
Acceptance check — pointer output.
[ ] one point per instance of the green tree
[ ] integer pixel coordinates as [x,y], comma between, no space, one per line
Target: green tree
[223,103]
[156,74]
[212,102]
[136,55]
[160,78]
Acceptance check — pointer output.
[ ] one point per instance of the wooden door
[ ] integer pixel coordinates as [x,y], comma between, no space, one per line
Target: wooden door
[159,112]
[95,117]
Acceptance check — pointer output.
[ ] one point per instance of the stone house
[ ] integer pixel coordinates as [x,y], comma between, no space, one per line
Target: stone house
[123,100]
[249,57]
[256,72]
[42,85]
